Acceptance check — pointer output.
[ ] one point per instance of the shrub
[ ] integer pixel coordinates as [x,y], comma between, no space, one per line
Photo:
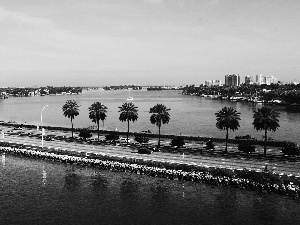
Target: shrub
[246,146]
[178,141]
[85,133]
[222,172]
[290,148]
[141,138]
[112,137]
[4,144]
[209,145]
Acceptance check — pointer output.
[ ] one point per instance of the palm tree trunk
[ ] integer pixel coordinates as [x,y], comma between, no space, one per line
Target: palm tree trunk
[98,129]
[265,147]
[226,140]
[128,131]
[158,137]
[72,127]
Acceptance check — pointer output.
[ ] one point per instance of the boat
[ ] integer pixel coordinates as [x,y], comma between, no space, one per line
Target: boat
[255,100]
[130,99]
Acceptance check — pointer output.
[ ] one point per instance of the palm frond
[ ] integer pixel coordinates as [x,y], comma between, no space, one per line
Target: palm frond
[228,118]
[266,118]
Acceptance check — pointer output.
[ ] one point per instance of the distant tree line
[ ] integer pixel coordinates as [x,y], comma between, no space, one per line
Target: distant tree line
[289,93]
[122,87]
[27,92]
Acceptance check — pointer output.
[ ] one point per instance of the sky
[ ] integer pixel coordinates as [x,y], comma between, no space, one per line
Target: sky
[146,42]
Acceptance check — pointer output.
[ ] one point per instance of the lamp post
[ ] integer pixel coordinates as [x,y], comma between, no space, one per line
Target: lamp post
[42,125]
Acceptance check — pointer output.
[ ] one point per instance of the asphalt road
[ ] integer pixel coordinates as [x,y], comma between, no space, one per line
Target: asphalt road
[281,167]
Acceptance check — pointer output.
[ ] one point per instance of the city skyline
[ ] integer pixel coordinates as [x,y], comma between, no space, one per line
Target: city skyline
[146,42]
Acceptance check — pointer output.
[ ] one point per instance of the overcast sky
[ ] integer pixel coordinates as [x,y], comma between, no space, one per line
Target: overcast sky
[108,42]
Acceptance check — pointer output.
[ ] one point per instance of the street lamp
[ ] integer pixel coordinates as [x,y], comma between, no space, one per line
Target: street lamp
[42,124]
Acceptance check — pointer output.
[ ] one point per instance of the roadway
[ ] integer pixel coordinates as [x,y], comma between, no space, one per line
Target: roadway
[280,167]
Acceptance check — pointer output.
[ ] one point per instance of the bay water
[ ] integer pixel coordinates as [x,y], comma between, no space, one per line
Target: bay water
[190,115]
[45,192]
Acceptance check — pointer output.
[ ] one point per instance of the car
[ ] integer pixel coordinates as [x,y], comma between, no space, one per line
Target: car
[11,132]
[124,140]
[144,150]
[47,138]
[146,132]
[22,134]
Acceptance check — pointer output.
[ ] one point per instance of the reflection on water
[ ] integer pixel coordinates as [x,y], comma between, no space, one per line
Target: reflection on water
[72,180]
[129,189]
[3,160]
[99,181]
[44,176]
[264,213]
[80,195]
[160,194]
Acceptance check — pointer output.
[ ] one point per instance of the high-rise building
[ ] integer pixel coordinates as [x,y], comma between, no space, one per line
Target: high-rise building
[232,80]
[208,83]
[248,80]
[259,79]
[216,82]
[270,80]
[213,83]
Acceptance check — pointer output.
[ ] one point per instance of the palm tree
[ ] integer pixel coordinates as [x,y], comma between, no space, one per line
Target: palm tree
[71,109]
[129,112]
[228,118]
[266,119]
[97,112]
[160,115]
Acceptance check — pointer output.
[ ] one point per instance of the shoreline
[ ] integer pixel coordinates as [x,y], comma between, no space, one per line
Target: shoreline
[265,182]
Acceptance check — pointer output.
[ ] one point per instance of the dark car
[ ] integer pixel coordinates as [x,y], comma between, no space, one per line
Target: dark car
[22,134]
[144,150]
[146,132]
[47,138]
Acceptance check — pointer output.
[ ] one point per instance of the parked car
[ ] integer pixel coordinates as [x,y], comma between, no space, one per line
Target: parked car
[146,132]
[124,140]
[22,134]
[12,132]
[47,138]
[144,150]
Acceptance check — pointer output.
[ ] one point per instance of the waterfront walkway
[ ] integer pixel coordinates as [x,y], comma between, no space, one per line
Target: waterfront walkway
[240,161]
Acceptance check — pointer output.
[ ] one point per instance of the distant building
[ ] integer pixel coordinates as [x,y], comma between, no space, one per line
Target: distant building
[261,79]
[232,80]
[270,80]
[210,83]
[216,82]
[248,80]
[295,82]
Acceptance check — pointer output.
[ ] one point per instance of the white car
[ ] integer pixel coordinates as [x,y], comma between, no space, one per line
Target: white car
[124,140]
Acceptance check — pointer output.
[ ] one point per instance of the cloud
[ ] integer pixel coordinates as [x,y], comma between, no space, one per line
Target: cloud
[18,21]
[153,1]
